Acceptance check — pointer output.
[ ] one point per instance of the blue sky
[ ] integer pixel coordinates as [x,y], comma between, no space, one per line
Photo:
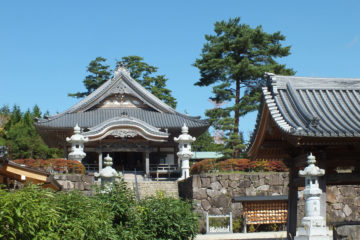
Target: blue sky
[45,46]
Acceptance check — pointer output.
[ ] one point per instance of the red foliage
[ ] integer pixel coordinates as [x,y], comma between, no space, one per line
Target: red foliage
[233,164]
[203,166]
[276,166]
[58,165]
[238,164]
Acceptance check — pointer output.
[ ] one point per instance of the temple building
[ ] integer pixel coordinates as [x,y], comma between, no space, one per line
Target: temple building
[123,119]
[306,115]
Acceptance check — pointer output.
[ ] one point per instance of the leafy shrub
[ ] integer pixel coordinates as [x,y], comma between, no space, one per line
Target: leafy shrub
[232,164]
[238,164]
[203,166]
[28,213]
[156,217]
[168,218]
[277,166]
[59,165]
[237,225]
[83,217]
[35,213]
[258,166]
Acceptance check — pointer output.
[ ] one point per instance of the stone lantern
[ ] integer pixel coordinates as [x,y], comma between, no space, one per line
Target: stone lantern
[107,174]
[185,153]
[313,225]
[77,145]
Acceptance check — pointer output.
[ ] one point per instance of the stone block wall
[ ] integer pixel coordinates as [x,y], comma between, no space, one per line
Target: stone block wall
[79,182]
[213,193]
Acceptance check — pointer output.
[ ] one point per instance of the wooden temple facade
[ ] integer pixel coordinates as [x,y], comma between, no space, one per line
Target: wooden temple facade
[299,115]
[123,119]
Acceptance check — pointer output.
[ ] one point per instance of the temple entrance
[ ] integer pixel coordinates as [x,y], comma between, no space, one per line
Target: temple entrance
[127,161]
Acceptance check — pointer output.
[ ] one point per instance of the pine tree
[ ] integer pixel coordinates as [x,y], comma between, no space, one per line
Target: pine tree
[234,61]
[139,70]
[22,139]
[99,73]
[144,74]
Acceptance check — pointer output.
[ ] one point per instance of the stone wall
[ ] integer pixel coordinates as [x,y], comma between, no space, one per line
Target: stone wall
[342,204]
[79,182]
[213,193]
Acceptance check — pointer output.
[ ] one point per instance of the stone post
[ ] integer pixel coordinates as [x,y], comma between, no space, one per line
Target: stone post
[313,225]
[184,153]
[107,174]
[147,164]
[77,145]
[100,160]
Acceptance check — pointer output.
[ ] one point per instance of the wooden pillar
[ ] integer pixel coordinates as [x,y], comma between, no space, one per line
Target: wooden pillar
[292,205]
[321,162]
[100,160]
[147,163]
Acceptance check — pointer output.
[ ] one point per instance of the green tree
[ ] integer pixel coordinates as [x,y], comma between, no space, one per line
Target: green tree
[144,74]
[99,73]
[205,142]
[139,70]
[234,61]
[22,139]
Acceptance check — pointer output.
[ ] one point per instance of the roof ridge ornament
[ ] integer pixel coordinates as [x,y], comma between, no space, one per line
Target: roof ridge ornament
[121,68]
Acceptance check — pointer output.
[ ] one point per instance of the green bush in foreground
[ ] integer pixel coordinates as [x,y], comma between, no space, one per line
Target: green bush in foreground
[153,218]
[35,213]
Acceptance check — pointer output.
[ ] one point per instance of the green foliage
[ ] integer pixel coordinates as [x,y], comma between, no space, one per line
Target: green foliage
[234,61]
[205,143]
[144,74]
[28,213]
[139,70]
[156,217]
[82,217]
[238,225]
[99,73]
[22,139]
[33,213]
[167,218]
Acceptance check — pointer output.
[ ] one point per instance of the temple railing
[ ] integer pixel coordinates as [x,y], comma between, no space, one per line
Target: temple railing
[163,171]
[91,167]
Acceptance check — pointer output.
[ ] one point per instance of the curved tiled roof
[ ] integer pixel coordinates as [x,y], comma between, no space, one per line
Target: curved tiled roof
[320,107]
[94,117]
[87,114]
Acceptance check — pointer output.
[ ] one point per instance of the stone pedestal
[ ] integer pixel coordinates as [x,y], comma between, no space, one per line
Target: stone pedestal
[184,153]
[313,225]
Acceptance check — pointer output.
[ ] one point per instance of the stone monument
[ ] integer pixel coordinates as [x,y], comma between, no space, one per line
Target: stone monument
[313,225]
[107,174]
[184,153]
[77,145]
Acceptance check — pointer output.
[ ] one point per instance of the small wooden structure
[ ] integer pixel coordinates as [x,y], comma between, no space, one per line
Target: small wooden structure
[264,209]
[10,171]
[299,115]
